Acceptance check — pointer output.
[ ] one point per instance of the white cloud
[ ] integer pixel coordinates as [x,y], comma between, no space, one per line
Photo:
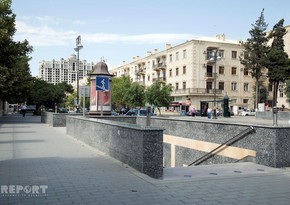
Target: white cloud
[47,36]
[79,22]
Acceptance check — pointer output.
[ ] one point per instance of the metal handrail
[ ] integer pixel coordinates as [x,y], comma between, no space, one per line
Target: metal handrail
[221,147]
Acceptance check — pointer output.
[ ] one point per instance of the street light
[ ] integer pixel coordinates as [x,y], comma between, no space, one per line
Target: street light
[214,57]
[79,46]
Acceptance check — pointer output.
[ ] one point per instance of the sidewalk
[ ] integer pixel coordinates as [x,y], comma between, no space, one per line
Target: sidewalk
[69,172]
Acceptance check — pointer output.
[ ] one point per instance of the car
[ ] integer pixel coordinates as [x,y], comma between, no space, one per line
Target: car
[114,113]
[248,113]
[137,112]
[62,110]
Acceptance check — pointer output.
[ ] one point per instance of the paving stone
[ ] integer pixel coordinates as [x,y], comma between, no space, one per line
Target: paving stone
[35,153]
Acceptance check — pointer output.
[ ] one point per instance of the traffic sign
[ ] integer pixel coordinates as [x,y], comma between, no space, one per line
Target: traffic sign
[84,91]
[102,83]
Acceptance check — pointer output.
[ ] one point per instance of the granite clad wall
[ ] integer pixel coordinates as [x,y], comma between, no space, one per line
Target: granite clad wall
[138,147]
[282,115]
[271,144]
[56,119]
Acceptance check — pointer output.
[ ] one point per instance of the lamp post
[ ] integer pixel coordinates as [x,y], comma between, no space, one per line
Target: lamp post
[214,57]
[79,46]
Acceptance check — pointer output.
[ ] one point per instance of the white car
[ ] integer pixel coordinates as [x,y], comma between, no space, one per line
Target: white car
[248,113]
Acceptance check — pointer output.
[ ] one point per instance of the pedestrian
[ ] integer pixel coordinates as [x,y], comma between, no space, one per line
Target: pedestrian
[209,112]
[23,110]
[193,112]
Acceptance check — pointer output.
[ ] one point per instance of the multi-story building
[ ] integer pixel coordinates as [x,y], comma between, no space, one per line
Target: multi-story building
[198,75]
[64,70]
[201,71]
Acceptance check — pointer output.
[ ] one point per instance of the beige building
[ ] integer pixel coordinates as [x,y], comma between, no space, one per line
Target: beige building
[196,73]
[64,70]
[190,68]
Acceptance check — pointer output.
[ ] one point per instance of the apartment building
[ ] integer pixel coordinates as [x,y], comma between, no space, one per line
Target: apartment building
[201,71]
[64,70]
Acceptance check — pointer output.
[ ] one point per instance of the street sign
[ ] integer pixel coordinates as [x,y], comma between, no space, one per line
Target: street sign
[84,91]
[102,83]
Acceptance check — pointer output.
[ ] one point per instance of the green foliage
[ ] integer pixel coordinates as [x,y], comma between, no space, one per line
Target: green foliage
[46,94]
[255,49]
[287,90]
[70,100]
[136,95]
[277,62]
[277,59]
[15,77]
[158,96]
[120,90]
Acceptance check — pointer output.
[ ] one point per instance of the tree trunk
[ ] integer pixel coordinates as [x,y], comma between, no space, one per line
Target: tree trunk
[275,93]
[257,93]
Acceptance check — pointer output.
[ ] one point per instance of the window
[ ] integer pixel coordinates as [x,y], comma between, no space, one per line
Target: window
[170,58]
[184,69]
[221,85]
[234,86]
[245,101]
[234,70]
[234,54]
[177,56]
[246,71]
[170,73]
[184,54]
[221,53]
[209,85]
[176,86]
[281,94]
[246,87]
[221,69]
[177,71]
[184,85]
[148,77]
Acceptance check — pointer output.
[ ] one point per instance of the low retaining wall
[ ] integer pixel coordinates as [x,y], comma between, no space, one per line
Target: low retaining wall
[56,119]
[282,115]
[140,148]
[185,141]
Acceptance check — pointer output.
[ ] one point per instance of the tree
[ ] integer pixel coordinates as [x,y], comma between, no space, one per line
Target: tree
[287,90]
[158,96]
[255,49]
[263,93]
[120,87]
[15,77]
[277,62]
[47,94]
[136,95]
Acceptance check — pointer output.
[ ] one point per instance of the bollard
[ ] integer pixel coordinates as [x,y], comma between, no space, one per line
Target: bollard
[148,117]
[275,117]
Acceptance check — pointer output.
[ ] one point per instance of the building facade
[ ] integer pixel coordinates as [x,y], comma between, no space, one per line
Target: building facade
[201,71]
[64,70]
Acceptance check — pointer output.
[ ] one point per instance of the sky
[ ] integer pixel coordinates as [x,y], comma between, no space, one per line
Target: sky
[117,30]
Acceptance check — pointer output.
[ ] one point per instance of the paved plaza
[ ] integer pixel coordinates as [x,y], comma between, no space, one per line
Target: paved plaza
[40,164]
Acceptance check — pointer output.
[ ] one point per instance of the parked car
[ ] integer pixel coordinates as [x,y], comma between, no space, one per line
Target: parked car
[137,112]
[248,113]
[62,110]
[114,113]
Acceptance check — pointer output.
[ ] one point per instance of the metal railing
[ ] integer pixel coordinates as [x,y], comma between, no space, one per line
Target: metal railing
[196,91]
[222,146]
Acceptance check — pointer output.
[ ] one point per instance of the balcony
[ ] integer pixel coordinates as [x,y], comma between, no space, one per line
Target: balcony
[159,66]
[210,75]
[196,91]
[140,72]
[160,79]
